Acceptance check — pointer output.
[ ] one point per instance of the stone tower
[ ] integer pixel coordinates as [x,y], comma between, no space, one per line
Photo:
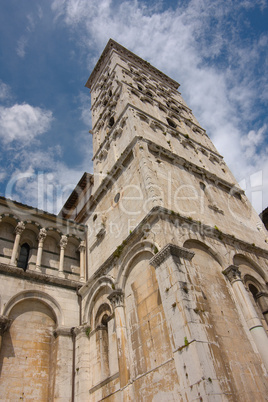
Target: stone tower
[177,257]
[151,284]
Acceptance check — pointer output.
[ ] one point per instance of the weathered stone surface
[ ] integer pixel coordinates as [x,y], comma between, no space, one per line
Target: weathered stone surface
[155,287]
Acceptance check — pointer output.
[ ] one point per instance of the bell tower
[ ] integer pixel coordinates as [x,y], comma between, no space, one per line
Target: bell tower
[176,256]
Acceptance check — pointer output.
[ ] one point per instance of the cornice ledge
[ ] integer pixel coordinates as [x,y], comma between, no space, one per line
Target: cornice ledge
[10,270]
[168,250]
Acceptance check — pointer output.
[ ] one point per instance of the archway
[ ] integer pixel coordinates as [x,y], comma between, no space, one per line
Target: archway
[27,351]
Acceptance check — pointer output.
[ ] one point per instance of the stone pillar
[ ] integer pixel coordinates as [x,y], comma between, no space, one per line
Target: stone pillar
[4,326]
[262,300]
[253,322]
[63,365]
[63,244]
[41,237]
[18,230]
[191,343]
[102,338]
[82,249]
[117,300]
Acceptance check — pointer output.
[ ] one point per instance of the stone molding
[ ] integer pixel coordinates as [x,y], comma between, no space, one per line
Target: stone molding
[5,323]
[261,294]
[232,273]
[116,298]
[171,250]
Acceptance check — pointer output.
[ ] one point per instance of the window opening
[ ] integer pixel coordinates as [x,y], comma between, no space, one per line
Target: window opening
[171,123]
[24,256]
[111,121]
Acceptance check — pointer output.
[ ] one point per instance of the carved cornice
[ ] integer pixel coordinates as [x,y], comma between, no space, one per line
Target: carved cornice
[232,273]
[5,323]
[116,298]
[171,250]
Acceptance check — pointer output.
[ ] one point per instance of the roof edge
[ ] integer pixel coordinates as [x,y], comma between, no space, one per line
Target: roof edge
[113,45]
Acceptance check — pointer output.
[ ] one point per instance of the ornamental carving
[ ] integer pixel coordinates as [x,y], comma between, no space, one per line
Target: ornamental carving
[19,228]
[42,235]
[117,298]
[171,250]
[232,273]
[63,241]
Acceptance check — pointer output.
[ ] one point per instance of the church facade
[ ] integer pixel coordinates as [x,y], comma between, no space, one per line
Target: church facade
[151,283]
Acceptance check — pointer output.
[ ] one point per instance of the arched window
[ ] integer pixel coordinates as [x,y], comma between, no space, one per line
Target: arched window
[24,256]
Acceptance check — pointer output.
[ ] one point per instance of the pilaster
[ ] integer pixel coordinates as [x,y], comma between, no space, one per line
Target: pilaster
[189,339]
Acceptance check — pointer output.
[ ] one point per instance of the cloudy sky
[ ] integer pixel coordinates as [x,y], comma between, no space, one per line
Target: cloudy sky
[216,50]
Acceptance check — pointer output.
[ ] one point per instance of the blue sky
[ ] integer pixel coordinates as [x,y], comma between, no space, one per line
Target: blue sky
[216,50]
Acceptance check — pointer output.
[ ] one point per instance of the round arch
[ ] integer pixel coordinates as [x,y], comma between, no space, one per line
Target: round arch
[132,254]
[99,285]
[239,259]
[207,247]
[44,298]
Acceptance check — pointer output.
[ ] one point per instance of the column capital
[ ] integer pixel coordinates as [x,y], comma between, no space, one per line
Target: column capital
[171,250]
[42,235]
[4,324]
[63,241]
[19,228]
[82,246]
[232,273]
[116,298]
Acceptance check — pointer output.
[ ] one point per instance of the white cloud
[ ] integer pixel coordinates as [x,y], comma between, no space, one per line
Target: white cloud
[5,92]
[200,45]
[21,45]
[23,123]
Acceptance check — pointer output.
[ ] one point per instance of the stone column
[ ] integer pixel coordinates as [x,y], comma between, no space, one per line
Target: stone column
[262,300]
[18,230]
[83,361]
[41,237]
[253,322]
[117,300]
[82,249]
[4,326]
[62,365]
[63,244]
[192,345]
